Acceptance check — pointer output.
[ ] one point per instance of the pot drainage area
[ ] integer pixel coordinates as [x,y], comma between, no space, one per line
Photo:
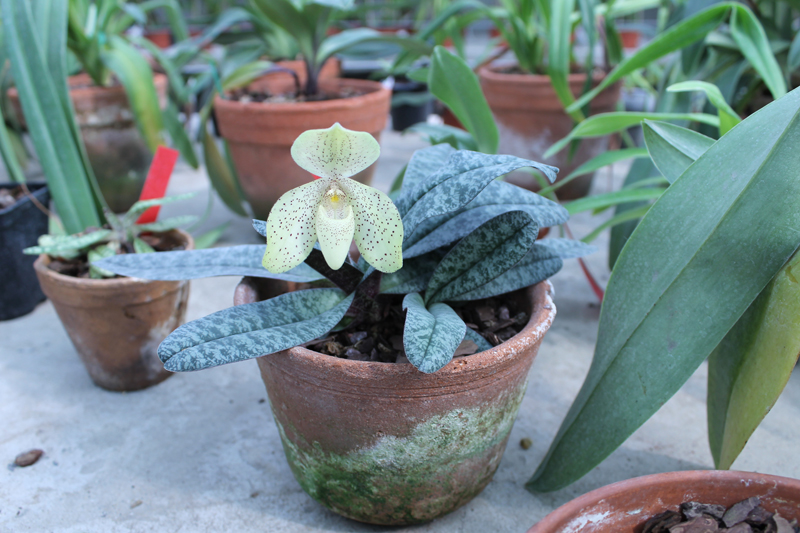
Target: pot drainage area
[200,451]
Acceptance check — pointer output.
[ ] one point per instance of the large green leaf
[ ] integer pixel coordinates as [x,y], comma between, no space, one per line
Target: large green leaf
[430,336]
[689,271]
[252,330]
[243,260]
[423,163]
[673,148]
[483,255]
[605,123]
[52,131]
[456,183]
[752,364]
[133,72]
[453,82]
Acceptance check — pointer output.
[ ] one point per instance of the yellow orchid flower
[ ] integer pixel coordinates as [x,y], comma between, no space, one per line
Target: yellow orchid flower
[334,209]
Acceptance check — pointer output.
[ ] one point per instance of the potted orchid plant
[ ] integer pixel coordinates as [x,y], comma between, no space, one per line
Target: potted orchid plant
[431,332]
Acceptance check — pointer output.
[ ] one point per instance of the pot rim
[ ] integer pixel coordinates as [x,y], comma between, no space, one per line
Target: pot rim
[39,192]
[113,284]
[488,362]
[555,521]
[376,92]
[159,80]
[490,73]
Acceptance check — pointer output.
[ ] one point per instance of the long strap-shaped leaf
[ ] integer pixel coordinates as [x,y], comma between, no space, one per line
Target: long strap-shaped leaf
[244,260]
[252,330]
[751,366]
[673,148]
[698,259]
[50,128]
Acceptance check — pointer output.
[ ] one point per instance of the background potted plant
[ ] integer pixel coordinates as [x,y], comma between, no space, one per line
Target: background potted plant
[121,320]
[749,335]
[116,98]
[455,234]
[257,130]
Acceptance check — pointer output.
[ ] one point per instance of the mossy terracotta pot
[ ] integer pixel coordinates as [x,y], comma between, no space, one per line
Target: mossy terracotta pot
[530,119]
[260,134]
[116,150]
[386,444]
[625,506]
[117,324]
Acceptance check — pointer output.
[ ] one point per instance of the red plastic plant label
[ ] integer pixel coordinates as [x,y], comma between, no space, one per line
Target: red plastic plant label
[155,186]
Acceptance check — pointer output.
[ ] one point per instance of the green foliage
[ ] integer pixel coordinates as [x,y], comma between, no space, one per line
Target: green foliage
[655,326]
[673,148]
[474,239]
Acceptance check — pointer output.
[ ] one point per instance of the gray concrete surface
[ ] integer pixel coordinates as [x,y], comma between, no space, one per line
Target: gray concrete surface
[200,453]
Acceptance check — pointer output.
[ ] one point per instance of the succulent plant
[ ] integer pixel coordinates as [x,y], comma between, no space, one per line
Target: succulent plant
[466,235]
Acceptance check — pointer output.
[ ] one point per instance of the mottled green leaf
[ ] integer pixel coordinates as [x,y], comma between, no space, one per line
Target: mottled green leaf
[476,337]
[459,181]
[139,246]
[481,256]
[244,260]
[106,250]
[673,148]
[167,224]
[54,245]
[687,274]
[539,263]
[143,205]
[423,163]
[252,330]
[749,369]
[413,277]
[430,336]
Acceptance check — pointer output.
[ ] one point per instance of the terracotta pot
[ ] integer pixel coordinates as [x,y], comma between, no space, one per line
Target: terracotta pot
[629,39]
[117,324]
[386,444]
[623,507]
[331,69]
[159,37]
[118,154]
[530,119]
[260,134]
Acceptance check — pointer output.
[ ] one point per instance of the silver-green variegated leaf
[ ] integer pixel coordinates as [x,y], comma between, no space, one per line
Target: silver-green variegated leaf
[143,205]
[139,246]
[430,336]
[167,224]
[459,181]
[59,244]
[539,263]
[105,250]
[244,260]
[673,148]
[483,255]
[260,226]
[413,277]
[252,330]
[497,194]
[422,164]
[567,248]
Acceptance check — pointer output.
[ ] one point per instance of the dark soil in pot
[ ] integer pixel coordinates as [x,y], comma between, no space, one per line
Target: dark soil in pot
[21,224]
[386,443]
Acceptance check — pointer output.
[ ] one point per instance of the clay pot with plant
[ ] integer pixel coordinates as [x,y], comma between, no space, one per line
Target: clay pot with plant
[431,332]
[117,100]
[260,119]
[647,504]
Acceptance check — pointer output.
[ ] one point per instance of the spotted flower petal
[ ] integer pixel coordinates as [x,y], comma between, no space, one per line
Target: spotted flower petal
[335,152]
[378,228]
[291,230]
[335,236]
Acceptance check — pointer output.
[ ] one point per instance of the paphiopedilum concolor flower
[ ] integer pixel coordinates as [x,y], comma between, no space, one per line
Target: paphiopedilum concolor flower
[334,209]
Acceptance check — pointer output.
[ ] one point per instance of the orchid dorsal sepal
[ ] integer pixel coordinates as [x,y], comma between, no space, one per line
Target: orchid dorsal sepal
[334,209]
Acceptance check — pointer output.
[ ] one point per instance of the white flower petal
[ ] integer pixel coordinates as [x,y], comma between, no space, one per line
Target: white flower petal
[379,230]
[290,227]
[335,152]
[335,235]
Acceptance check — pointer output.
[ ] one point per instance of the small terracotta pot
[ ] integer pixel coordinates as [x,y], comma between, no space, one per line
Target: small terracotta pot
[159,37]
[386,444]
[530,119]
[623,507]
[331,69]
[117,152]
[260,134]
[117,324]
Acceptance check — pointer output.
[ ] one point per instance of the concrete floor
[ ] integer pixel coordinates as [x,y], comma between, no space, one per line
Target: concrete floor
[200,453]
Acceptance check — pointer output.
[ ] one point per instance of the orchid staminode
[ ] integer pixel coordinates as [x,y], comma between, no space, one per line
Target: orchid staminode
[334,209]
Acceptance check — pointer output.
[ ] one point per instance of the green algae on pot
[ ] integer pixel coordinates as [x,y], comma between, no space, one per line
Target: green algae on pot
[421,445]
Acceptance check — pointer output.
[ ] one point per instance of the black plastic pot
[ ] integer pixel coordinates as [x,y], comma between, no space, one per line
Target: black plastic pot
[20,227]
[405,115]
